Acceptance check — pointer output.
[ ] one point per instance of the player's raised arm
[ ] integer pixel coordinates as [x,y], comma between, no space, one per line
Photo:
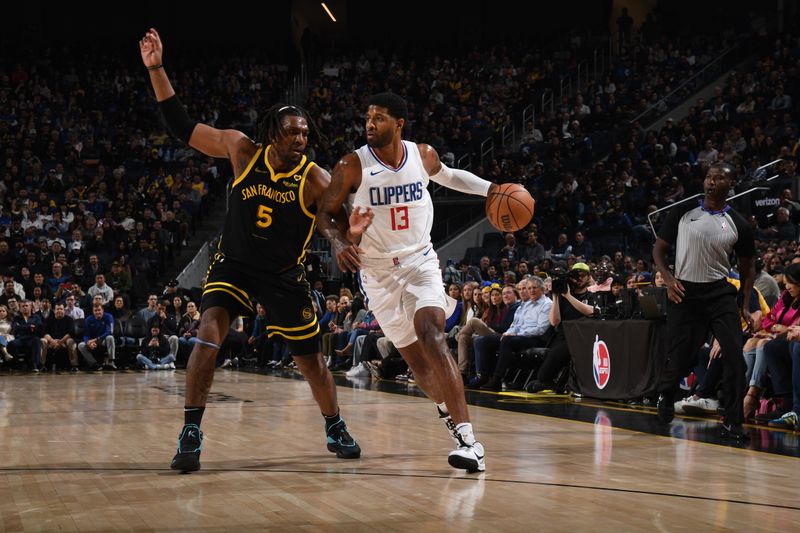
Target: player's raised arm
[210,141]
[343,235]
[453,178]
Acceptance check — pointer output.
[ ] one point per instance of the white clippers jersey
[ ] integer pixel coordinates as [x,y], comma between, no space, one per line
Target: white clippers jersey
[401,203]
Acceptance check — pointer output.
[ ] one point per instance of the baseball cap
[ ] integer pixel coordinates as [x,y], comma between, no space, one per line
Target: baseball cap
[581,266]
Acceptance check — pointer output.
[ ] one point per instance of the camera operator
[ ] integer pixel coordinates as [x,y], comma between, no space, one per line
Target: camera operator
[571,300]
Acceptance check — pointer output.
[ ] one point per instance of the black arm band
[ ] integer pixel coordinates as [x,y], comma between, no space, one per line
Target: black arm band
[177,119]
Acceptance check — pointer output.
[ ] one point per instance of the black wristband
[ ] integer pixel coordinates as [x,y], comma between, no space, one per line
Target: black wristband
[155,67]
[177,119]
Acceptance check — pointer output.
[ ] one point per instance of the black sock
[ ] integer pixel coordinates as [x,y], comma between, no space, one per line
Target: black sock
[331,420]
[193,415]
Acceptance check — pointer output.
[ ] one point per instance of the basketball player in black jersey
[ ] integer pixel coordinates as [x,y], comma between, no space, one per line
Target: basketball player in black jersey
[269,222]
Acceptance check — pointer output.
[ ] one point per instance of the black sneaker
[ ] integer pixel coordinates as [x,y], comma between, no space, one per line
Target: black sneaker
[494,384]
[341,443]
[666,409]
[190,443]
[734,432]
[538,386]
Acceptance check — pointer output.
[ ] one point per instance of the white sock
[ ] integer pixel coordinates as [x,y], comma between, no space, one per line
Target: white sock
[442,409]
[465,430]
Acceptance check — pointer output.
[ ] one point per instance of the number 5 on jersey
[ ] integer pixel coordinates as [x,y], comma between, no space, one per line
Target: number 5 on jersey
[399,218]
[263,216]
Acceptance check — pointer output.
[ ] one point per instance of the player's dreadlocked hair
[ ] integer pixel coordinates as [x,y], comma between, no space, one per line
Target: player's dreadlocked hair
[271,126]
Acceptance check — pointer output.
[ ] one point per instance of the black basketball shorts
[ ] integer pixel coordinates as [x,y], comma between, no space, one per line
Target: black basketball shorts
[286,297]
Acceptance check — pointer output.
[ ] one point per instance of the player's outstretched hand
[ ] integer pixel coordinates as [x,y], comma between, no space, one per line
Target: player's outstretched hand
[347,255]
[151,48]
[359,221]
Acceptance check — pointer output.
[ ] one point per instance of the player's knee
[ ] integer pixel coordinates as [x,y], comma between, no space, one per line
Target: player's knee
[430,335]
[211,333]
[313,368]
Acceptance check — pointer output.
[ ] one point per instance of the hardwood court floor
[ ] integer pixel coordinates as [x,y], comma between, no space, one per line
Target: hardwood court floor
[91,453]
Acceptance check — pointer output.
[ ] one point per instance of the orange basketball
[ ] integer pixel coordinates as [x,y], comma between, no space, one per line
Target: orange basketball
[509,207]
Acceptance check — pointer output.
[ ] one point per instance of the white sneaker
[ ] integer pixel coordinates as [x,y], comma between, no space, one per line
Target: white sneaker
[469,457]
[469,454]
[170,366]
[359,371]
[701,406]
[679,405]
[226,363]
[373,369]
[160,367]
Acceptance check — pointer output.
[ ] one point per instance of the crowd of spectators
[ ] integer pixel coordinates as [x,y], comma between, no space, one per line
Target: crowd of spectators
[96,199]
[457,102]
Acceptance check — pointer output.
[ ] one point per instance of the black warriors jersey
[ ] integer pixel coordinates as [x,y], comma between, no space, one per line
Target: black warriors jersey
[267,225]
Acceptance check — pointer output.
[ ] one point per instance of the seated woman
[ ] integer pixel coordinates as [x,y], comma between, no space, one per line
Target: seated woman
[351,319]
[470,300]
[358,329]
[454,291]
[487,324]
[774,326]
[187,331]
[5,335]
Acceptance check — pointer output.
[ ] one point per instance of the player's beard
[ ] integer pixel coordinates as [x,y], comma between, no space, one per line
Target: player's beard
[380,140]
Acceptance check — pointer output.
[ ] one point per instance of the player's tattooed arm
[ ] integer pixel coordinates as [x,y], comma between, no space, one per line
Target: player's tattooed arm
[318,182]
[332,219]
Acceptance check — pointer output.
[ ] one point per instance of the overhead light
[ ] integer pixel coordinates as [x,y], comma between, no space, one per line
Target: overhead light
[328,11]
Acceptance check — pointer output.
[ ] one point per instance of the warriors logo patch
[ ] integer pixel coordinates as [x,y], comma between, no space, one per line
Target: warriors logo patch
[307,313]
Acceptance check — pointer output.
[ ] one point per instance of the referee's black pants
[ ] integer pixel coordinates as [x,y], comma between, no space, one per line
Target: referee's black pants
[706,306]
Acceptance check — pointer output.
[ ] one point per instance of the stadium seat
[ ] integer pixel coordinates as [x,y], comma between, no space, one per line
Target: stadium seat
[135,328]
[473,255]
[493,242]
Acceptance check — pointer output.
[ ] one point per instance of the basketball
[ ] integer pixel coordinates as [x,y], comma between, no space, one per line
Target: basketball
[509,207]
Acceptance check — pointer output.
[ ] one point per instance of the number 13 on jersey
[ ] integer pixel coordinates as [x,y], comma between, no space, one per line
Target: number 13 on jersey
[399,218]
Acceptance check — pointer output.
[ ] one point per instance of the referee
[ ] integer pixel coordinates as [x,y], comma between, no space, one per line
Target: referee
[704,235]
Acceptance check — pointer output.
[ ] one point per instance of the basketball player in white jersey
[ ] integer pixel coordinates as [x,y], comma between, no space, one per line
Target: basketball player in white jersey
[388,242]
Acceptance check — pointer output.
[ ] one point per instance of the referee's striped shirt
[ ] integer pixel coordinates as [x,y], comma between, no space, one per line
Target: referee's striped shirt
[704,241]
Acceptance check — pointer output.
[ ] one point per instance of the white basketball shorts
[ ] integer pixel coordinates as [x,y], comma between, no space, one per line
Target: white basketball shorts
[396,291]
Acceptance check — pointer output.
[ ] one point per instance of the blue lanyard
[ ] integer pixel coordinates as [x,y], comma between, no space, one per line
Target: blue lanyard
[711,212]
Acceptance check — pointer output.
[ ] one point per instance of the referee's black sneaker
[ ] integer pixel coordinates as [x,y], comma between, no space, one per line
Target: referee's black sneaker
[341,442]
[190,443]
[665,408]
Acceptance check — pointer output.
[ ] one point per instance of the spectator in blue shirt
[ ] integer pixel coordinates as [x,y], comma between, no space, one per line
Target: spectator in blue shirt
[98,339]
[454,291]
[56,278]
[531,322]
